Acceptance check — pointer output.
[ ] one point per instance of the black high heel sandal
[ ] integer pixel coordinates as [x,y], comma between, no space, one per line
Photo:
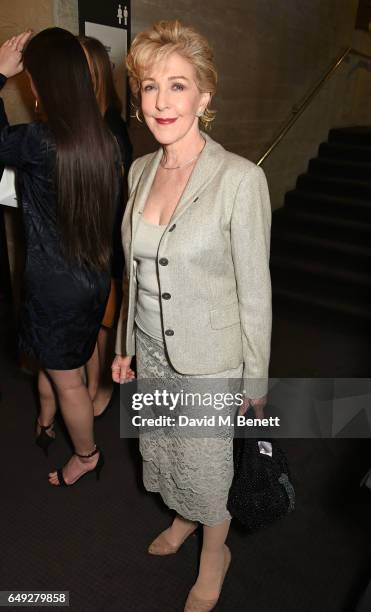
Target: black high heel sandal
[97,469]
[43,440]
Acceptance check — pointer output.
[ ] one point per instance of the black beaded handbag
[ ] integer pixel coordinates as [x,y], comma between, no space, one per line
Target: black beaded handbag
[261,490]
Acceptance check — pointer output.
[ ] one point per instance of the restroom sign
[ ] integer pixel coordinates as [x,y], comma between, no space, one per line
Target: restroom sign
[109,22]
[108,13]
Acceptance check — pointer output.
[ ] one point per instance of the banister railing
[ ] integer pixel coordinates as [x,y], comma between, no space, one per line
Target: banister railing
[297,110]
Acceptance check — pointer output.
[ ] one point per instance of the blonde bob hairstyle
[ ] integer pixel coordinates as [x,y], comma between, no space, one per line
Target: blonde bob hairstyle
[160,41]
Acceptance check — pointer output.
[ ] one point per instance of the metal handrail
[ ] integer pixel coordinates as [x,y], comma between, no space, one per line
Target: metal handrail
[298,110]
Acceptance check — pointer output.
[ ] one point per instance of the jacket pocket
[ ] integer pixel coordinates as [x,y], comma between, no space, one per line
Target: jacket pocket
[225,316]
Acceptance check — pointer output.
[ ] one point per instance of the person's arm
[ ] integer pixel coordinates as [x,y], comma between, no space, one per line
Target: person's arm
[250,241]
[121,370]
[121,325]
[3,119]
[13,147]
[122,321]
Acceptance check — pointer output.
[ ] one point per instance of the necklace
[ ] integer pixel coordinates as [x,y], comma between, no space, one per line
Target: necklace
[182,165]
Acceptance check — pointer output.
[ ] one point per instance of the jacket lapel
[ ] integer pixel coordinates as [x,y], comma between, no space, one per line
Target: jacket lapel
[208,164]
[143,189]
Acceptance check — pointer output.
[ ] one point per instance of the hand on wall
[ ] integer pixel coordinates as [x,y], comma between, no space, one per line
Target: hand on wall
[11,54]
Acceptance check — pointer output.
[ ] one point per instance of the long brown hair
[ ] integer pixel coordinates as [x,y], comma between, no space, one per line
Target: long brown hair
[101,72]
[86,177]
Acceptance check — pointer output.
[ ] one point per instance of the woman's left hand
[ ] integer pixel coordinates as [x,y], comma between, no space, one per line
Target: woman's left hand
[11,54]
[257,405]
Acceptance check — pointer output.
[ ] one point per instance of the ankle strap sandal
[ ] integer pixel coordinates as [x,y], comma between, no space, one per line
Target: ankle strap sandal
[43,440]
[94,452]
[96,470]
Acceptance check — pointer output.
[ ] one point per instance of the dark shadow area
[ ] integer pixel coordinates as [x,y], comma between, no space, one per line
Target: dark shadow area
[92,538]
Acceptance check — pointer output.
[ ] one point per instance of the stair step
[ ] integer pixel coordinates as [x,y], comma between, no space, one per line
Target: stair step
[356,135]
[340,169]
[321,238]
[330,186]
[327,303]
[345,207]
[294,271]
[340,151]
[318,248]
[323,226]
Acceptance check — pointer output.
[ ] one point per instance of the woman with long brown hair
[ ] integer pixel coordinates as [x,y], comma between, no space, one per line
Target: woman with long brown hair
[68,169]
[110,106]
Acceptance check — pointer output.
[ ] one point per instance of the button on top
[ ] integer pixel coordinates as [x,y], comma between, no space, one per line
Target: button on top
[163,261]
[169,332]
[172,227]
[166,296]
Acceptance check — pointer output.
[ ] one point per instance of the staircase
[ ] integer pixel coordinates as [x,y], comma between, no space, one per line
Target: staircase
[321,238]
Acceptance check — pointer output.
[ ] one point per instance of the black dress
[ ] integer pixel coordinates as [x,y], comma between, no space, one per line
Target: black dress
[63,304]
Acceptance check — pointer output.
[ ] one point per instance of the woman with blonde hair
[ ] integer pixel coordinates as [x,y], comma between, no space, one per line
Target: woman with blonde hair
[196,235]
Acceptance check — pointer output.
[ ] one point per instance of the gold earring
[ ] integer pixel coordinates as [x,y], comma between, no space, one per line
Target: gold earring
[36,108]
[137,115]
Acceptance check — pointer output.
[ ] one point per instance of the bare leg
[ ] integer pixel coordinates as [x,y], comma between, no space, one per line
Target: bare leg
[92,369]
[212,562]
[99,385]
[103,347]
[105,387]
[48,403]
[77,411]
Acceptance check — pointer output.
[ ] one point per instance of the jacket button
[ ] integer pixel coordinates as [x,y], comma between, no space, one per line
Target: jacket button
[163,261]
[166,296]
[172,227]
[169,332]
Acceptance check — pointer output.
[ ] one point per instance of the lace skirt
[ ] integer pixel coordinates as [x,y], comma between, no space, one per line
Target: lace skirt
[192,474]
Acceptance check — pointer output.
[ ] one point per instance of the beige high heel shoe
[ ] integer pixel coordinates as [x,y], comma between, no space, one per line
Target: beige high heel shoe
[161,545]
[196,604]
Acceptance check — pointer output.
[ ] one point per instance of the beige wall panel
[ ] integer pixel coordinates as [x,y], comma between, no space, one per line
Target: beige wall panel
[361,108]
[66,15]
[269,54]
[16,16]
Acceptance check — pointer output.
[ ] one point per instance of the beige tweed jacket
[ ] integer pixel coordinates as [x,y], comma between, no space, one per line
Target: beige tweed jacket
[213,262]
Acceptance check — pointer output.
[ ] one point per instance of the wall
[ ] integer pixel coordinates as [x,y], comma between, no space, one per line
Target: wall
[268,55]
[66,14]
[362,94]
[15,17]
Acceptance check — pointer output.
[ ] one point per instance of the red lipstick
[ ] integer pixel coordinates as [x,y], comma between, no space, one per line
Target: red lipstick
[165,121]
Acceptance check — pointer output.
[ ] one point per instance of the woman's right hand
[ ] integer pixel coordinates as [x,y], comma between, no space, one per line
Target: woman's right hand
[11,54]
[121,370]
